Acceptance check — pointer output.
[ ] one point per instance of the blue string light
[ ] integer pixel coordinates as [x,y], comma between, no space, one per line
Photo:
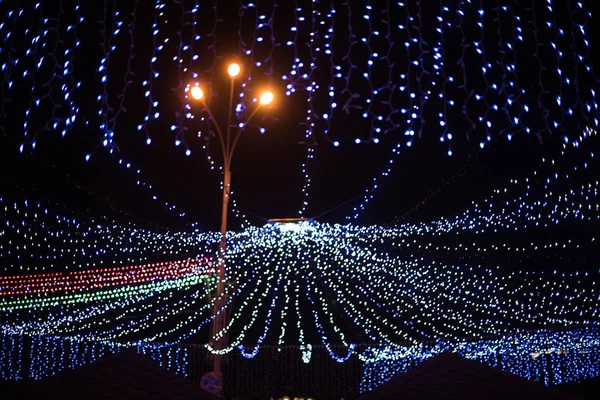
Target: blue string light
[549,357]
[403,77]
[487,98]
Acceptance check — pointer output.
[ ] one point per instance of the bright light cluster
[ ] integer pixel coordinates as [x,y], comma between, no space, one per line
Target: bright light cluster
[312,283]
[412,289]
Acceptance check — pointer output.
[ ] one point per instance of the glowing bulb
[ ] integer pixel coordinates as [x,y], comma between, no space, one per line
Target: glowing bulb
[233,70]
[266,98]
[197,93]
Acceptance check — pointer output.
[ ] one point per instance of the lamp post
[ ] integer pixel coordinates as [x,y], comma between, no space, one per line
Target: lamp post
[227,146]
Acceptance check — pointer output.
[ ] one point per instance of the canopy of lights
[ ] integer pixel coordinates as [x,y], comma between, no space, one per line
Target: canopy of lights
[79,287]
[311,283]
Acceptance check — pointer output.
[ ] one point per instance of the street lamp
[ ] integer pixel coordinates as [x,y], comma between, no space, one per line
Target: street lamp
[234,70]
[266,98]
[197,93]
[227,146]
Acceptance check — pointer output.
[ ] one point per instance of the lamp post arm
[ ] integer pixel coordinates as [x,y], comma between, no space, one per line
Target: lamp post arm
[229,114]
[252,115]
[241,130]
[214,121]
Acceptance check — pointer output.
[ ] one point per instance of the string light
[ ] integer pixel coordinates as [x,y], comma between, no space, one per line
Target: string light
[96,279]
[547,356]
[470,90]
[380,281]
[38,236]
[550,357]
[301,265]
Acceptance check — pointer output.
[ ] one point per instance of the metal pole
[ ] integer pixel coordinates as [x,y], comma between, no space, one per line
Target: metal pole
[228,146]
[221,318]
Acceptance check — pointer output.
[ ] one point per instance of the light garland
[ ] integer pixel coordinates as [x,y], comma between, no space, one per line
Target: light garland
[391,70]
[403,295]
[37,237]
[10,305]
[349,284]
[100,278]
[550,357]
